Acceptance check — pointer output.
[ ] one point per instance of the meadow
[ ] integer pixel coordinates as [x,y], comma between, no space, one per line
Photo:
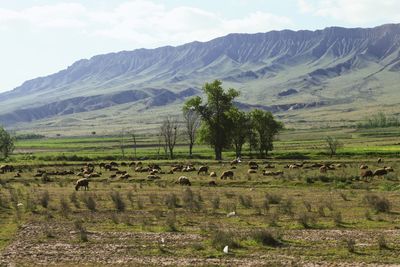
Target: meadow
[301,217]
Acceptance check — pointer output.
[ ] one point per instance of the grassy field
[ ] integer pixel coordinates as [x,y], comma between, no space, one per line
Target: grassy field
[299,218]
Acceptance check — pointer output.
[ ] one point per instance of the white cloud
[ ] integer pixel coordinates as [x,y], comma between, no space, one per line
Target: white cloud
[355,12]
[142,22]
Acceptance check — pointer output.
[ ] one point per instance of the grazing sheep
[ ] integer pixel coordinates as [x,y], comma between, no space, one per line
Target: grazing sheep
[366,174]
[203,169]
[227,174]
[6,168]
[250,171]
[389,169]
[153,177]
[380,160]
[183,180]
[380,172]
[363,167]
[269,173]
[269,166]
[212,183]
[213,174]
[252,163]
[125,176]
[234,162]
[132,164]
[82,183]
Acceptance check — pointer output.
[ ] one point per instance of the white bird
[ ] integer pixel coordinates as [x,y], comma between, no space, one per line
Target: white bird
[226,249]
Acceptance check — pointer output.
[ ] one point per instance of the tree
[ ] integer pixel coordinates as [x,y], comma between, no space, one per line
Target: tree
[332,144]
[266,128]
[192,123]
[134,144]
[216,125]
[241,124]
[122,143]
[169,132]
[6,143]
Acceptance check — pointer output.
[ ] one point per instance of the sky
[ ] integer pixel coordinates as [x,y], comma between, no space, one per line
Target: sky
[41,37]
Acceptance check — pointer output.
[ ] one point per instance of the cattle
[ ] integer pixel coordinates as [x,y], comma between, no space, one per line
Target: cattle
[227,174]
[82,183]
[380,172]
[183,180]
[203,169]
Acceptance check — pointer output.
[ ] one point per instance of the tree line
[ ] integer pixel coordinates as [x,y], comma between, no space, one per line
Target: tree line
[216,121]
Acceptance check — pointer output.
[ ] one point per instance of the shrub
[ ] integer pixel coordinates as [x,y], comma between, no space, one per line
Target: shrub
[379,204]
[337,218]
[170,222]
[246,201]
[307,220]
[265,205]
[171,200]
[74,199]
[350,244]
[273,219]
[44,199]
[286,207]
[382,244]
[307,205]
[129,195]
[153,198]
[64,206]
[221,238]
[265,238]
[81,231]
[140,203]
[118,201]
[273,198]
[190,201]
[215,201]
[343,196]
[89,201]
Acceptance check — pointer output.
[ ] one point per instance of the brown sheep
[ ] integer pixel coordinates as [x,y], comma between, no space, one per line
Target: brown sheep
[212,183]
[203,169]
[380,172]
[227,174]
[183,180]
[82,183]
[366,174]
[389,169]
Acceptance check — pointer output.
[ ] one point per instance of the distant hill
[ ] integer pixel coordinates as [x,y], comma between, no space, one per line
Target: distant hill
[326,75]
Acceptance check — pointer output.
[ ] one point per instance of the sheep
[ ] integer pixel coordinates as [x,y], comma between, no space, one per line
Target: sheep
[366,174]
[213,174]
[153,177]
[82,183]
[323,169]
[380,160]
[363,167]
[380,172]
[250,171]
[203,169]
[227,174]
[183,180]
[389,169]
[212,183]
[234,162]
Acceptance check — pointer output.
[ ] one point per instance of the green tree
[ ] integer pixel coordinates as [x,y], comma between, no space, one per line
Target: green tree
[241,125]
[266,128]
[332,144]
[6,143]
[216,126]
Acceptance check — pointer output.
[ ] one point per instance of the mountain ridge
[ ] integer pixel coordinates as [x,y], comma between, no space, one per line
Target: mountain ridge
[261,65]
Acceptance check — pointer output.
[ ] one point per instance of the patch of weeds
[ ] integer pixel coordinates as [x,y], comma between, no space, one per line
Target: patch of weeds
[273,198]
[171,201]
[265,238]
[307,220]
[379,204]
[119,203]
[221,238]
[246,201]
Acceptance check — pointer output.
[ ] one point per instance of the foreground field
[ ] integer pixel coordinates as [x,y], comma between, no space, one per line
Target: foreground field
[301,217]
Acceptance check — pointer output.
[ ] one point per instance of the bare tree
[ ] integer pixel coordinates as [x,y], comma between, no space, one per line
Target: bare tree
[192,123]
[169,131]
[122,143]
[332,144]
[134,143]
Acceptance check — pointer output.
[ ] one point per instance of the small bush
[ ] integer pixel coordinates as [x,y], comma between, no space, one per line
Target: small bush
[81,231]
[382,244]
[172,201]
[273,198]
[286,207]
[153,198]
[307,205]
[307,220]
[119,203]
[221,238]
[350,245]
[74,199]
[44,199]
[379,204]
[140,203]
[265,238]
[273,219]
[64,206]
[343,196]
[246,201]
[170,222]
[114,218]
[89,201]
[215,201]
[337,218]
[129,195]
[190,201]
[265,206]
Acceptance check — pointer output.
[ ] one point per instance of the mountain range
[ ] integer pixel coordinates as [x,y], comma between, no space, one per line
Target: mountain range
[327,76]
